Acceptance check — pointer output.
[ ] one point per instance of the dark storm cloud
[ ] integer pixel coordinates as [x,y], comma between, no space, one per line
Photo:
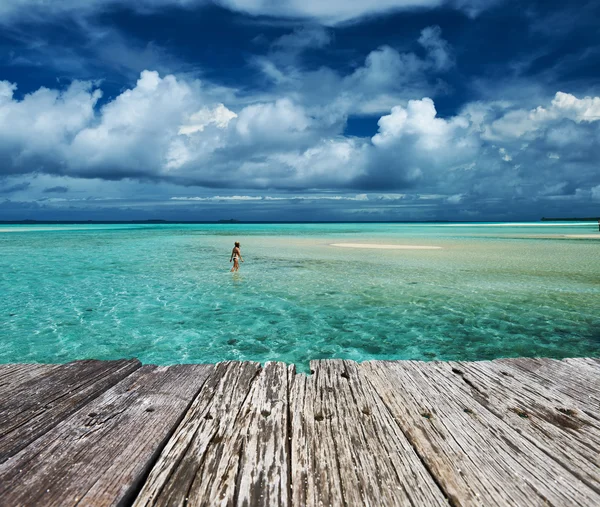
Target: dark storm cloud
[56,190]
[419,101]
[14,188]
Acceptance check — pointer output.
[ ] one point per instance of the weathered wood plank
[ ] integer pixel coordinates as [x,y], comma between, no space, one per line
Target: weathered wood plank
[548,419]
[587,372]
[35,406]
[353,429]
[13,375]
[201,462]
[239,451]
[315,473]
[566,376]
[476,457]
[264,469]
[592,362]
[346,447]
[555,395]
[100,454]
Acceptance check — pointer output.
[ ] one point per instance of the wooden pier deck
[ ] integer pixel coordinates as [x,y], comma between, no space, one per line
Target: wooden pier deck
[504,432]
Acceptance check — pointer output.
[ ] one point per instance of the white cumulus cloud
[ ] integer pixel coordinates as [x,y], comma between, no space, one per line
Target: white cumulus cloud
[338,11]
[172,129]
[326,12]
[530,124]
[219,116]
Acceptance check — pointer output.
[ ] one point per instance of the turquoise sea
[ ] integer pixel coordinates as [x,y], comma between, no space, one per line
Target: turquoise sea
[164,293]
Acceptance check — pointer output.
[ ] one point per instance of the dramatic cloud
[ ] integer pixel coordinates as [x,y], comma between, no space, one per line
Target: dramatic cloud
[339,11]
[165,129]
[329,13]
[14,188]
[533,123]
[35,131]
[56,190]
[438,49]
[387,76]
[291,136]
[169,129]
[414,145]
[311,98]
[303,38]
[281,122]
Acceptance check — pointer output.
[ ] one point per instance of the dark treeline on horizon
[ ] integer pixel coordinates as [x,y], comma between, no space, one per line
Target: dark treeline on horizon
[585,219]
[224,222]
[234,222]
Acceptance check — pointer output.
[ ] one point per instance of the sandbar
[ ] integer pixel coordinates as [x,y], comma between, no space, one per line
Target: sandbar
[386,247]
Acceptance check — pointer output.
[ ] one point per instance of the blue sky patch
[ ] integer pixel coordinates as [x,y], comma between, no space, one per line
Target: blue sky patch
[396,110]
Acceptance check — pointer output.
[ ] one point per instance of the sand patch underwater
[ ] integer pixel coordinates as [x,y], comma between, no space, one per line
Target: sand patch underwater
[386,246]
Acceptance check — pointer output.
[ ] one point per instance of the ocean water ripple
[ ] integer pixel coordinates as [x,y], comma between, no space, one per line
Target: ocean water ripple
[164,294]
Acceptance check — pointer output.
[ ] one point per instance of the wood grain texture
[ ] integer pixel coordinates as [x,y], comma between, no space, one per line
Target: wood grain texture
[551,421]
[314,467]
[476,456]
[202,461]
[263,474]
[33,407]
[346,447]
[13,375]
[99,455]
[503,432]
[577,378]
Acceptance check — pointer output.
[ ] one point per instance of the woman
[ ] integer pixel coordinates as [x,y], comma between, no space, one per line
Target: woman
[236,257]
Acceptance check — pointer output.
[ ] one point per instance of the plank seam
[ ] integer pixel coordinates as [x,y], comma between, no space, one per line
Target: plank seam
[450,501]
[183,453]
[334,440]
[200,467]
[570,470]
[84,384]
[198,472]
[238,475]
[67,414]
[136,487]
[288,436]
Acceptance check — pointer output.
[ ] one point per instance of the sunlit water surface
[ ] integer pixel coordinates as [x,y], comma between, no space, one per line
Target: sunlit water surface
[164,294]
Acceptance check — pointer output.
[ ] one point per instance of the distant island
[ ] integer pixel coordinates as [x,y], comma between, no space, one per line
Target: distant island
[223,221]
[586,219]
[234,221]
[80,222]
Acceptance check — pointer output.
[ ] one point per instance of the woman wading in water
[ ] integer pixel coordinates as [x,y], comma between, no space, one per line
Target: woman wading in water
[236,257]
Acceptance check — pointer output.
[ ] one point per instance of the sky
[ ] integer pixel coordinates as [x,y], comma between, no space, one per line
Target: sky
[299,110]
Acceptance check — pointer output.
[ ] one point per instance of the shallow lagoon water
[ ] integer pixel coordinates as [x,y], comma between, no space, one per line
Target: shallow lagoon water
[164,294]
